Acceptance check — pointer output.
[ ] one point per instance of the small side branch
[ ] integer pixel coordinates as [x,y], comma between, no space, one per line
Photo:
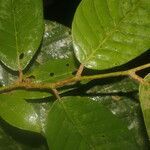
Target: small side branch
[139,68]
[134,76]
[80,70]
[53,86]
[137,78]
[56,94]
[20,75]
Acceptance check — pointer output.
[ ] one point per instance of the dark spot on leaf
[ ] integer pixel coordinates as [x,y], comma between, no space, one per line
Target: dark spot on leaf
[31,77]
[74,73]
[21,56]
[67,65]
[51,74]
[103,136]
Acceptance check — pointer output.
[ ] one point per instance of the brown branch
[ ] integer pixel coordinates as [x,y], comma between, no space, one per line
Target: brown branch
[53,86]
[20,75]
[56,94]
[80,70]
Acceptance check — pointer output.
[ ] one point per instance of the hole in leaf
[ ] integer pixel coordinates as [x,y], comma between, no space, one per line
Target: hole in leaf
[67,65]
[51,74]
[21,56]
[31,77]
[74,73]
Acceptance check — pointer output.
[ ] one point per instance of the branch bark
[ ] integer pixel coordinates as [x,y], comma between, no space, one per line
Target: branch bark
[51,86]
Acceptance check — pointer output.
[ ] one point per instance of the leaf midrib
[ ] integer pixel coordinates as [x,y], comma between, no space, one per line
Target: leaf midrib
[116,29]
[73,123]
[16,34]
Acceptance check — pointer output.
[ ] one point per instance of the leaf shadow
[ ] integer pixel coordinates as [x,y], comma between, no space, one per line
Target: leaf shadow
[28,138]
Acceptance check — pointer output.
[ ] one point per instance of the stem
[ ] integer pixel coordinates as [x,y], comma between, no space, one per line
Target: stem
[137,78]
[27,86]
[53,86]
[20,75]
[80,70]
[56,94]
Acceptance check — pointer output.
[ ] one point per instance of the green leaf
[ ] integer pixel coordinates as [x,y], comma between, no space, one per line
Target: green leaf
[15,110]
[80,123]
[120,96]
[14,139]
[21,30]
[56,60]
[56,47]
[42,108]
[6,142]
[109,33]
[145,102]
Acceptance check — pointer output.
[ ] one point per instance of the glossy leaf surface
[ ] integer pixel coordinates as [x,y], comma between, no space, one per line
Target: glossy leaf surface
[15,110]
[42,108]
[36,102]
[56,47]
[56,60]
[109,33]
[82,124]
[21,30]
[145,103]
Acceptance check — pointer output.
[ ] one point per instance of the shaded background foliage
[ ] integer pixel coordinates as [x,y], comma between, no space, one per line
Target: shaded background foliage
[61,11]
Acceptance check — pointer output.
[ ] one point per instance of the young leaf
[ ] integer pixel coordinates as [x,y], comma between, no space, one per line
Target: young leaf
[80,123]
[56,60]
[145,102]
[109,33]
[15,110]
[21,29]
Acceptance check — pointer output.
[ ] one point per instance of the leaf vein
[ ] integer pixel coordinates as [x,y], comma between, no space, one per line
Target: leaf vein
[116,29]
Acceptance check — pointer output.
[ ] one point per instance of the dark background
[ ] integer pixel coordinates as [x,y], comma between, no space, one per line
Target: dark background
[61,11]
